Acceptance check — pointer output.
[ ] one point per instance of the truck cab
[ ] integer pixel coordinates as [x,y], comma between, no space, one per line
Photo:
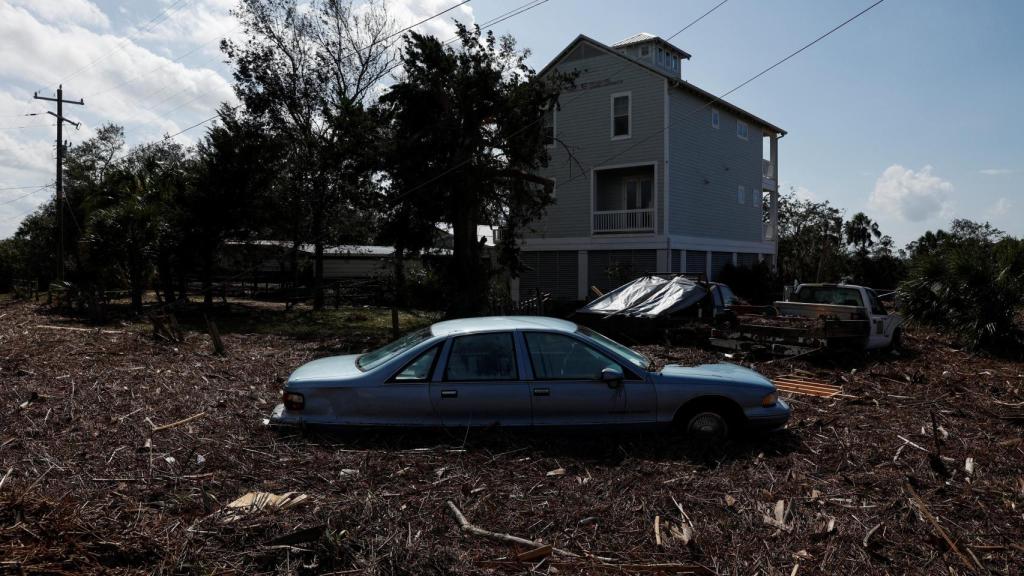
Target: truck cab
[846,302]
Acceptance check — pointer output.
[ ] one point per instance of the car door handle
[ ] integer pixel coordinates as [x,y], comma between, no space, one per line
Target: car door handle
[542,392]
[449,393]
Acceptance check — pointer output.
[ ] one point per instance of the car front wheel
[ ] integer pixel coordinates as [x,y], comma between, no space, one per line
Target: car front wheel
[707,425]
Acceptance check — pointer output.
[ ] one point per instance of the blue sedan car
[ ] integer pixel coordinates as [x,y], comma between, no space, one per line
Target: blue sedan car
[522,371]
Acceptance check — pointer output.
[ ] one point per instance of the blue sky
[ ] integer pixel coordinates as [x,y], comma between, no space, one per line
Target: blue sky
[910,113]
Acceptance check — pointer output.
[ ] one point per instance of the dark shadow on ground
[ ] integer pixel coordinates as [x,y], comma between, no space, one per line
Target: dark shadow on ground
[603,447]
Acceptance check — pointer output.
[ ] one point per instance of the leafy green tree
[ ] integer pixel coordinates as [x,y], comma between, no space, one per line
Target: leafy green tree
[810,240]
[467,119]
[970,280]
[305,70]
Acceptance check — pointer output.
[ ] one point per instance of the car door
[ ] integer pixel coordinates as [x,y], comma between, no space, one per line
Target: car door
[883,324]
[566,389]
[478,383]
[401,400]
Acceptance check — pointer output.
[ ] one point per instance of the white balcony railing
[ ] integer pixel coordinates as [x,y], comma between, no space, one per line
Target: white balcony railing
[641,220]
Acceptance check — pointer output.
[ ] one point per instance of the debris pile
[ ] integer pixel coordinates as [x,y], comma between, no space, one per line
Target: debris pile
[124,452]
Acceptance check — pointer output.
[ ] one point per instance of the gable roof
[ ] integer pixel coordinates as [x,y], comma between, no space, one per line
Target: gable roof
[645,37]
[674,81]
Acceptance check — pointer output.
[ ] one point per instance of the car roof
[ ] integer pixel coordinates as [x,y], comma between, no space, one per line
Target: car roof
[492,323]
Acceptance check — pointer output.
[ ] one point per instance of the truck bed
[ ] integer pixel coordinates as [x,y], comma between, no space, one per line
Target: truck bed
[813,310]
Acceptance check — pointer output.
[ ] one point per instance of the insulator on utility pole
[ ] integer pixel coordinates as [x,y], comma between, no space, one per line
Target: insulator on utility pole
[60,162]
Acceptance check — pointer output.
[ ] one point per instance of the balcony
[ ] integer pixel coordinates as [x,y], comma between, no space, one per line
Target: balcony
[620,221]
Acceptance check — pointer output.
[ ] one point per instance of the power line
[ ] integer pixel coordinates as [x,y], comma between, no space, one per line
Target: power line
[26,195]
[734,89]
[25,187]
[26,127]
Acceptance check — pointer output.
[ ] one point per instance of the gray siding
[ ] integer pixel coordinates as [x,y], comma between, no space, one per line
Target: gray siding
[696,262]
[583,124]
[718,262]
[554,272]
[746,259]
[631,264]
[706,167]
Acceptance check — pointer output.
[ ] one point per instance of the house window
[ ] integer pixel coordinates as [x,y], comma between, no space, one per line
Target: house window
[645,51]
[637,193]
[714,118]
[621,112]
[661,56]
[741,194]
[549,126]
[741,129]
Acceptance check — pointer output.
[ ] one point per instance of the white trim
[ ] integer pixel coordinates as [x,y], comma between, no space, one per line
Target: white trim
[629,117]
[646,242]
[582,263]
[746,130]
[664,163]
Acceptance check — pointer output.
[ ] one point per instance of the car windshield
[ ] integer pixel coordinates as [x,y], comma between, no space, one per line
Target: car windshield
[375,358]
[634,357]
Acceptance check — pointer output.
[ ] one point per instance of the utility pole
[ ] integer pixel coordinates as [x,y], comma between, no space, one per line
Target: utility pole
[60,162]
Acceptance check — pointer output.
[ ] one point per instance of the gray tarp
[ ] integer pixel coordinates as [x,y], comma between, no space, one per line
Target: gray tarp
[648,297]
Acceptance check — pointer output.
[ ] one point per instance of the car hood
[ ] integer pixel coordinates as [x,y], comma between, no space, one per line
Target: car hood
[724,373]
[326,369]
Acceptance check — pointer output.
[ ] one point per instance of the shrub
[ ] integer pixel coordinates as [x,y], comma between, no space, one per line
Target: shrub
[972,286]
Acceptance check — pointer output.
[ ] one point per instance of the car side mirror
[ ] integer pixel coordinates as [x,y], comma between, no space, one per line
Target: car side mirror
[612,377]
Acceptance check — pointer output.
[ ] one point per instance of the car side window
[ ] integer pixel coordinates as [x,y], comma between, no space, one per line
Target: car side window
[482,357]
[419,369]
[560,357]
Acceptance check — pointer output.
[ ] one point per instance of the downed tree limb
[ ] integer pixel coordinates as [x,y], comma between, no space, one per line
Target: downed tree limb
[600,568]
[179,422]
[938,528]
[466,526]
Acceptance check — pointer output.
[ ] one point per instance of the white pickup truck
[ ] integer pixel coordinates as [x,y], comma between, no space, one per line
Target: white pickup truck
[815,316]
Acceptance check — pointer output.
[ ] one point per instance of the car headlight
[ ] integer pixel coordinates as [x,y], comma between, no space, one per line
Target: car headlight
[770,400]
[293,400]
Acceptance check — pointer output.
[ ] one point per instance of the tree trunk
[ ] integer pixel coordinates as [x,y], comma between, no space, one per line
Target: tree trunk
[318,275]
[466,277]
[398,298]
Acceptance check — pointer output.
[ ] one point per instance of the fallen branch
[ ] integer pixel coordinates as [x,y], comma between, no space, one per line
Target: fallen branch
[179,422]
[465,526]
[935,524]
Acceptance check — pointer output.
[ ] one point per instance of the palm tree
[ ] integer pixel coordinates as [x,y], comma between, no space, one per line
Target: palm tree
[861,232]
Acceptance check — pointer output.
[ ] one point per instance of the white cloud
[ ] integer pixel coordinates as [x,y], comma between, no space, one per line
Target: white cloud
[995,171]
[909,195]
[1002,207]
[66,12]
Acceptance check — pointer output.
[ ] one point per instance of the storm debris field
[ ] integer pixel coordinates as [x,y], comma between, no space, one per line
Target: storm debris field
[124,453]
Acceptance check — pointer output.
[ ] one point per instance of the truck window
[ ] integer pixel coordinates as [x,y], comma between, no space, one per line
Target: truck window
[877,309]
[835,295]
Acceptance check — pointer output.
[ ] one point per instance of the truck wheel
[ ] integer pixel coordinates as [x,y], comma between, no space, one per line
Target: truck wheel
[896,344]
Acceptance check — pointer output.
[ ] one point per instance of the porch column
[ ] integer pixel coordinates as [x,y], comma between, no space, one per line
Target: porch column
[774,217]
[582,290]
